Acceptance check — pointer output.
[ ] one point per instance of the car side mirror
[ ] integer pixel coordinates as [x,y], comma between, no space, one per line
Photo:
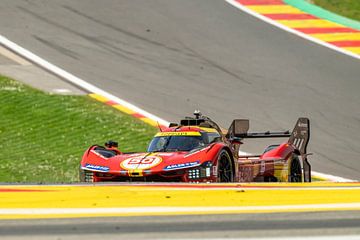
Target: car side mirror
[236,140]
[111,144]
[217,139]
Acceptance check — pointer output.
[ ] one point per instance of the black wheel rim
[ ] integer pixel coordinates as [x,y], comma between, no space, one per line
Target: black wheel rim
[225,169]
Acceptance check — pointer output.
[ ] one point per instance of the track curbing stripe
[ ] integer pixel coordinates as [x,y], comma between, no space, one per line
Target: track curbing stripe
[306,6]
[292,25]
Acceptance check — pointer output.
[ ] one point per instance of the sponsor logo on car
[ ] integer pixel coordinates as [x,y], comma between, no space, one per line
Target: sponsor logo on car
[300,124]
[97,168]
[181,165]
[141,162]
[166,134]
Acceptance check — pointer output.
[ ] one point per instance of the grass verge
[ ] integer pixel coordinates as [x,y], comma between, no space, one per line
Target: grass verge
[43,136]
[347,8]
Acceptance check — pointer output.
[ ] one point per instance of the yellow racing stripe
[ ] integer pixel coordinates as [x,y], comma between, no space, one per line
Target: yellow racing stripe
[165,134]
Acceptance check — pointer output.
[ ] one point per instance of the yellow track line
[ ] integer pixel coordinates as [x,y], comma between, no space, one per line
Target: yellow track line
[127,200]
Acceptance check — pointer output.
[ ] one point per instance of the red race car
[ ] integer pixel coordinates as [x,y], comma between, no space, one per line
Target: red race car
[198,150]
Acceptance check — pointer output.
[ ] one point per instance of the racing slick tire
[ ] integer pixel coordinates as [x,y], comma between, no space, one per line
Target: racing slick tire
[225,167]
[295,173]
[86,176]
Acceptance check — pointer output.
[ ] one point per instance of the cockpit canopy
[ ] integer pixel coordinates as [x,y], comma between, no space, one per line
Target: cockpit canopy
[182,141]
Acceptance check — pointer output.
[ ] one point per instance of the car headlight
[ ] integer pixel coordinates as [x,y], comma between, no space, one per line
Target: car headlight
[203,171]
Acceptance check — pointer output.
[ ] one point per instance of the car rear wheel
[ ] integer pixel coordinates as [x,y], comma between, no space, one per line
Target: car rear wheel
[86,176]
[295,174]
[225,167]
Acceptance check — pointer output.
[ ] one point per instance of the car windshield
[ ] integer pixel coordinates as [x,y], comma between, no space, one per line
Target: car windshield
[175,143]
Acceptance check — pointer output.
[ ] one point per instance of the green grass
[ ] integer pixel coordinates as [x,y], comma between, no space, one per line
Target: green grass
[43,136]
[347,8]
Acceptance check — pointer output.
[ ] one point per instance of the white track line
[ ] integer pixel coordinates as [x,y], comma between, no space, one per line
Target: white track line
[331,177]
[127,210]
[300,34]
[337,237]
[73,79]
[93,89]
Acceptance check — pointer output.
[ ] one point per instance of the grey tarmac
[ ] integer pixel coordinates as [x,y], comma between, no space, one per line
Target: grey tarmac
[262,225]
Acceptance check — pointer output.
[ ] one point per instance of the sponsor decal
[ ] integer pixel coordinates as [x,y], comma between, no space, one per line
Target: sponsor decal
[141,162]
[262,167]
[181,165]
[97,168]
[165,134]
[214,170]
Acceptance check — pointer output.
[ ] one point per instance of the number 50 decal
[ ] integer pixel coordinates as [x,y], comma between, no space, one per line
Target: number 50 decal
[141,162]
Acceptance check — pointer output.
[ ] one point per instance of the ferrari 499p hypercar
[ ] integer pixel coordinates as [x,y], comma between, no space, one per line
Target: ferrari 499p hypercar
[198,150]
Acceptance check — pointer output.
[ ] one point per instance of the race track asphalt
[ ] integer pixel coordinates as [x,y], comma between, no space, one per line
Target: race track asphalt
[171,57]
[242,226]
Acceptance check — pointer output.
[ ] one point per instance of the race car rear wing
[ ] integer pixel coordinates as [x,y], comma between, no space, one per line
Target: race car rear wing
[299,138]
[239,129]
